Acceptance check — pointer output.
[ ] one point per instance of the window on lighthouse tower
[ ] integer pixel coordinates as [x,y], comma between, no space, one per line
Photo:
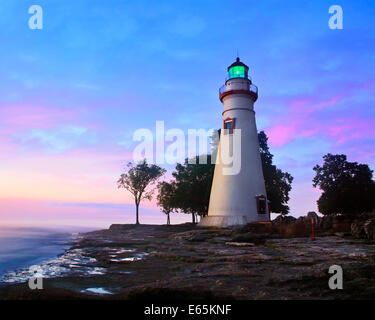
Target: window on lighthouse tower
[228,126]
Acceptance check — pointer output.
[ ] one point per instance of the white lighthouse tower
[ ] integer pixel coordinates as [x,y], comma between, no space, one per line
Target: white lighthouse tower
[239,198]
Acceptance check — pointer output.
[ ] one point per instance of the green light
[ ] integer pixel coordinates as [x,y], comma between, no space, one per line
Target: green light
[237,72]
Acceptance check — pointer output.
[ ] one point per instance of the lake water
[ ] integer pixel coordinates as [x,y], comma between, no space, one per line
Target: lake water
[24,247]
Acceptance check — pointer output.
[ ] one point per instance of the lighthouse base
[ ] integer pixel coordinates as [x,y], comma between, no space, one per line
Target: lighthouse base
[223,221]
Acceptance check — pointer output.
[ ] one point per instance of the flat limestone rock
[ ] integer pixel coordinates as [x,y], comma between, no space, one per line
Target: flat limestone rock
[161,262]
[240,244]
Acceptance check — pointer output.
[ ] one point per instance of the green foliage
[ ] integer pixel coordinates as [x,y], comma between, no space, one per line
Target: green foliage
[193,186]
[190,190]
[166,198]
[347,187]
[278,183]
[166,195]
[137,180]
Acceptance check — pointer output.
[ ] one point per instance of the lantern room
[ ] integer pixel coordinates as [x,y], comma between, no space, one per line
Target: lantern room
[238,70]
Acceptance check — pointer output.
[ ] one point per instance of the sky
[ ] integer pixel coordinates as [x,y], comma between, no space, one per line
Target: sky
[73,93]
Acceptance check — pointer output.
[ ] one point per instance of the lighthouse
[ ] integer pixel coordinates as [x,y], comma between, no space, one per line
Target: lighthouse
[238,196]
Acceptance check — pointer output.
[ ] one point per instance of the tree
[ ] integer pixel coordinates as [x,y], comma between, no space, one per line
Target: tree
[192,187]
[166,199]
[278,183]
[137,181]
[347,187]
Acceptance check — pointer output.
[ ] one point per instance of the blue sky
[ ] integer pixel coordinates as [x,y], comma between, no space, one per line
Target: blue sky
[75,91]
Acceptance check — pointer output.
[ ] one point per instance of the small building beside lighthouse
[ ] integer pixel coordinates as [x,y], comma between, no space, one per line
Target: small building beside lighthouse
[238,198]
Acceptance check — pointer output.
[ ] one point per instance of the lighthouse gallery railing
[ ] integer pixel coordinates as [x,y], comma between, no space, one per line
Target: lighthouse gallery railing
[251,88]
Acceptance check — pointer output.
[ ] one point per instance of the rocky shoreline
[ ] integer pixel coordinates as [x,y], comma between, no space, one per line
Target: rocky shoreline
[162,262]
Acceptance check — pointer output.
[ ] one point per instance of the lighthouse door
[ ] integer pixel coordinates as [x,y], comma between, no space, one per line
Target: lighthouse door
[261,204]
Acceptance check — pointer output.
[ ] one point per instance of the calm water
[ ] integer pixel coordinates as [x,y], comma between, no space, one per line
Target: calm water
[24,247]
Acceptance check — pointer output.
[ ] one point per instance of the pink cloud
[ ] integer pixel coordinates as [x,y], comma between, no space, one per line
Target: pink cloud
[79,175]
[16,117]
[347,129]
[25,212]
[281,134]
[306,116]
